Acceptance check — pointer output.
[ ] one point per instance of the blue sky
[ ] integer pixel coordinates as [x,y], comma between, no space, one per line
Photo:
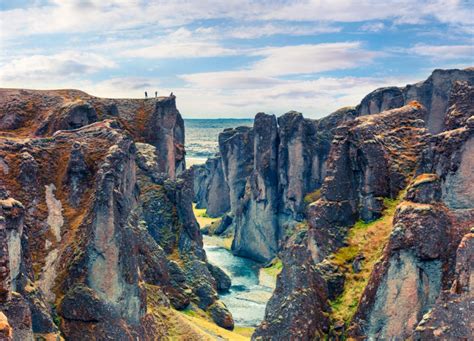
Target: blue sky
[233,58]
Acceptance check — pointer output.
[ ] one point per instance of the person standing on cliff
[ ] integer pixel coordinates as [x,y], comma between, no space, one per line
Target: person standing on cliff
[146,94]
[156,94]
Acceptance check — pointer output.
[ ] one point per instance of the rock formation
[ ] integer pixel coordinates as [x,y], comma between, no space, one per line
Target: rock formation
[419,288]
[210,188]
[98,239]
[433,93]
[301,163]
[97,234]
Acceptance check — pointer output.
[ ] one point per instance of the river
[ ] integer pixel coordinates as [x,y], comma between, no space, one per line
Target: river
[247,297]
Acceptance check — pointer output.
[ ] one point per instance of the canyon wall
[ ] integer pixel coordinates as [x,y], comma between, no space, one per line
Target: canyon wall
[267,171]
[97,235]
[418,288]
[298,186]
[272,178]
[433,94]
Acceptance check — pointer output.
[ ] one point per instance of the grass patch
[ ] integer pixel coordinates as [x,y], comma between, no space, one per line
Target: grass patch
[268,276]
[189,324]
[202,218]
[368,239]
[274,269]
[190,312]
[225,242]
[210,329]
[244,331]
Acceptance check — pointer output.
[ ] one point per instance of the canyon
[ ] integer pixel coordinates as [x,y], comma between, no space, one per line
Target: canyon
[391,175]
[365,217]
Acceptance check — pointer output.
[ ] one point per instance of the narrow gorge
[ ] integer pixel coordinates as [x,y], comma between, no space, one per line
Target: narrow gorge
[369,209]
[358,225]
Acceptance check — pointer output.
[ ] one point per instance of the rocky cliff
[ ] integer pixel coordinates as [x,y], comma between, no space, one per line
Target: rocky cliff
[97,235]
[378,274]
[323,194]
[263,174]
[273,177]
[210,188]
[433,93]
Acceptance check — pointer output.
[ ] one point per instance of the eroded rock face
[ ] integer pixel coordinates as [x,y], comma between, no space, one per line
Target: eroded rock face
[299,285]
[70,116]
[236,149]
[460,106]
[451,317]
[17,324]
[371,158]
[406,283]
[156,121]
[433,94]
[420,264]
[210,188]
[104,225]
[256,218]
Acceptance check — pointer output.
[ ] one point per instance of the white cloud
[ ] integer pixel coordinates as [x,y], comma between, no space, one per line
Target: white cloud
[283,61]
[269,29]
[181,43]
[311,58]
[373,27]
[25,70]
[443,52]
[96,16]
[242,79]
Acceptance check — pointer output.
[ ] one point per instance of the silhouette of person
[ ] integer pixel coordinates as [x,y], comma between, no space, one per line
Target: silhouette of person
[146,94]
[171,94]
[156,94]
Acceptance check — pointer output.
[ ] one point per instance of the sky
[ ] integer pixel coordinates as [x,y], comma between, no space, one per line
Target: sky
[233,58]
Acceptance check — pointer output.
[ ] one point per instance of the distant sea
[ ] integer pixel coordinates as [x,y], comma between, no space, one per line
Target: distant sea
[202,134]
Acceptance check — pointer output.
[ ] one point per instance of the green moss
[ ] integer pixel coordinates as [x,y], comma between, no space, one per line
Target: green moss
[368,239]
[190,312]
[275,268]
[313,196]
[56,317]
[202,217]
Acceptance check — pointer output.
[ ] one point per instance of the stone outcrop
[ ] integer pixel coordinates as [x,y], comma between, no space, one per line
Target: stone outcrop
[28,113]
[302,151]
[411,292]
[210,188]
[256,218]
[433,94]
[299,285]
[371,159]
[420,262]
[269,170]
[96,219]
[451,317]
